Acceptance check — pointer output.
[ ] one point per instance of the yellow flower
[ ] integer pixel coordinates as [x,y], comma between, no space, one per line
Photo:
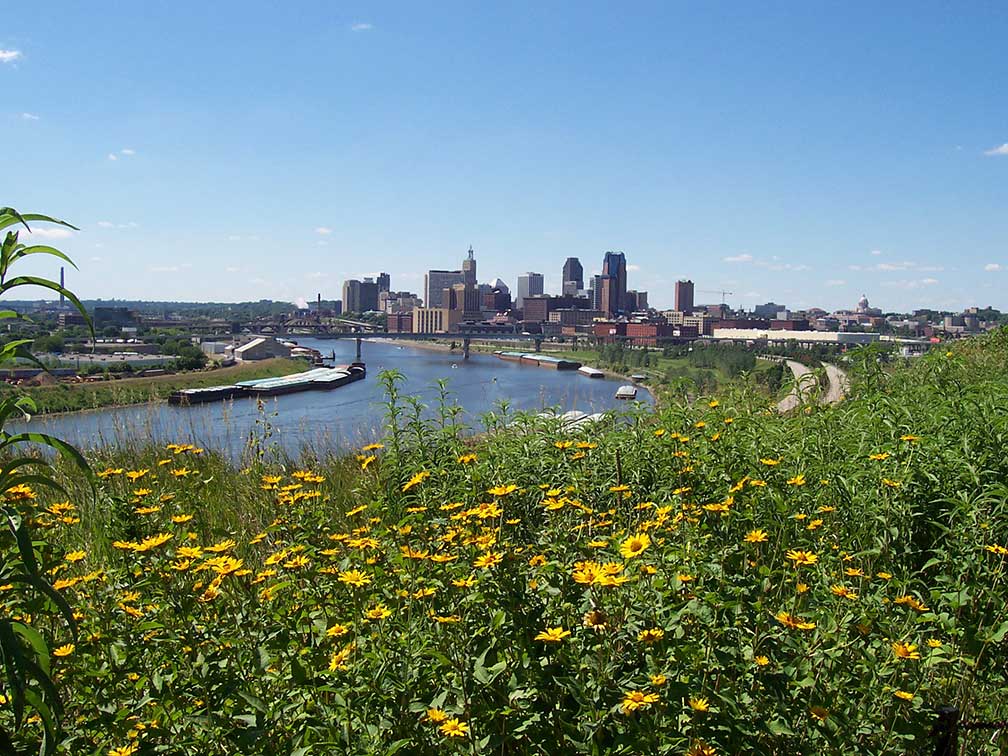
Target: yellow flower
[337,630]
[699,704]
[64,650]
[466,459]
[379,612]
[879,457]
[802,558]
[909,437]
[126,750]
[995,549]
[912,603]
[905,650]
[372,447]
[843,592]
[552,635]
[797,480]
[793,622]
[365,460]
[453,728]
[819,713]
[934,643]
[416,480]
[222,546]
[355,578]
[658,680]
[700,748]
[903,694]
[635,545]
[637,699]
[761,661]
[74,556]
[890,483]
[181,519]
[436,715]
[651,635]
[756,536]
[502,490]
[770,462]
[489,559]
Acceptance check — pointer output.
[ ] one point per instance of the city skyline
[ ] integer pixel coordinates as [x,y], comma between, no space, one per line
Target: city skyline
[855,158]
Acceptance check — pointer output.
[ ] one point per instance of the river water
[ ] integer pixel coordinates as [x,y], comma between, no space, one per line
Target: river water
[342,418]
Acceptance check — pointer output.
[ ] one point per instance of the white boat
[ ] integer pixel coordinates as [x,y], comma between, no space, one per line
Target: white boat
[591,372]
[626,392]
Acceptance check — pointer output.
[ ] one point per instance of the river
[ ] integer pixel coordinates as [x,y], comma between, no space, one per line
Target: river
[342,418]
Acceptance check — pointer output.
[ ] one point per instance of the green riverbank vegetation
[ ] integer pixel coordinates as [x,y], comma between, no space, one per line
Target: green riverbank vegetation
[705,579]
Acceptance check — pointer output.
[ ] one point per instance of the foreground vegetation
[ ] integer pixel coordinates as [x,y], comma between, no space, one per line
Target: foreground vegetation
[708,579]
[72,397]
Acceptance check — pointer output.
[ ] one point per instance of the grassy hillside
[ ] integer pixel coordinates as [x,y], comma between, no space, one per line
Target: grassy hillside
[709,579]
[70,397]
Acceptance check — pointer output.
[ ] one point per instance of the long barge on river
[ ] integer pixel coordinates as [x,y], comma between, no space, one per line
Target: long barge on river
[318,378]
[540,360]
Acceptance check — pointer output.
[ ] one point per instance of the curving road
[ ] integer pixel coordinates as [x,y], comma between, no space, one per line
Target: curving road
[805,381]
[838,384]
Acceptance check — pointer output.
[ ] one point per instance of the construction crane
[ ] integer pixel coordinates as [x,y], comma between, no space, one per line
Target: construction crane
[722,292]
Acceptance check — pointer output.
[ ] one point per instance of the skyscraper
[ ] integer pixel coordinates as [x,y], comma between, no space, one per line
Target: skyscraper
[614,283]
[684,296]
[384,282]
[469,269]
[436,281]
[573,276]
[529,285]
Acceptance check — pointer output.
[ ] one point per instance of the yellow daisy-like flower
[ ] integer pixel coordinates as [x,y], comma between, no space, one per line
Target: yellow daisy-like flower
[64,650]
[658,680]
[637,699]
[379,612]
[489,559]
[905,650]
[903,695]
[502,490]
[635,545]
[699,704]
[74,556]
[802,558]
[701,749]
[552,635]
[355,578]
[651,635]
[416,480]
[466,459]
[843,592]
[453,728]
[761,661]
[436,715]
[794,623]
[126,750]
[756,536]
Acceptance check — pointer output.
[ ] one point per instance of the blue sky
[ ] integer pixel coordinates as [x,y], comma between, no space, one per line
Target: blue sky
[797,152]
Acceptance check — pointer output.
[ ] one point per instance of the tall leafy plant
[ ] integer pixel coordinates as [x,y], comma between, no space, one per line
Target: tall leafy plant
[26,682]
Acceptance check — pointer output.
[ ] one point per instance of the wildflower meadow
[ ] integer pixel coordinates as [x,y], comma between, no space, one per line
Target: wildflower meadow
[704,578]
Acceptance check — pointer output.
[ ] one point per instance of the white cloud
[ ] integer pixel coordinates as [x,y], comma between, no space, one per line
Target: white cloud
[929,281]
[231,269]
[29,117]
[234,237]
[127,151]
[993,267]
[317,275]
[324,230]
[51,233]
[9,56]
[113,156]
[164,269]
[743,258]
[1002,150]
[836,282]
[633,268]
[876,252]
[106,224]
[96,258]
[361,27]
[913,283]
[854,267]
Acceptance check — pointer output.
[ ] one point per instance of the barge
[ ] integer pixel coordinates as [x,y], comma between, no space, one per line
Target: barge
[539,360]
[591,372]
[318,378]
[626,392]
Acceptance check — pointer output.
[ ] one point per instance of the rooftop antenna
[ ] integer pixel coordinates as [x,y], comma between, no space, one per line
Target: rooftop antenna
[62,297]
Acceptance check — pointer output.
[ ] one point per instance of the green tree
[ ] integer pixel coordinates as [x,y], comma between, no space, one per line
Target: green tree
[26,683]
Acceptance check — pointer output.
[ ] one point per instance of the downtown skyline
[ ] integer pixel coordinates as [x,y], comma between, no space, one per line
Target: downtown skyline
[865,155]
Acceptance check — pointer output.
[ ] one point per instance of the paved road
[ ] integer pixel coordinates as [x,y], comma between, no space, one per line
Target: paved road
[838,384]
[805,381]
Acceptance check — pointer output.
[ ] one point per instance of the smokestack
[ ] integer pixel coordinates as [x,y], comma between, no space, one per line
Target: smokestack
[62,281]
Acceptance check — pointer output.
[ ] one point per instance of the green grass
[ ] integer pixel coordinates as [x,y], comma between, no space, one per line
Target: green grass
[730,644]
[71,397]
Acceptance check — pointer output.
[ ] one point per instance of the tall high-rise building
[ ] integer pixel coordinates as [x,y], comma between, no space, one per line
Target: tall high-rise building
[469,269]
[384,282]
[573,276]
[360,296]
[596,292]
[684,296]
[529,285]
[435,283]
[614,283]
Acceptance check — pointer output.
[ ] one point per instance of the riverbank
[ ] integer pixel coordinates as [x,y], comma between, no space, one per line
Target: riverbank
[76,397]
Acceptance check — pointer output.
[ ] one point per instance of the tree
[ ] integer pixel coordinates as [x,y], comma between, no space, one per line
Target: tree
[26,682]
